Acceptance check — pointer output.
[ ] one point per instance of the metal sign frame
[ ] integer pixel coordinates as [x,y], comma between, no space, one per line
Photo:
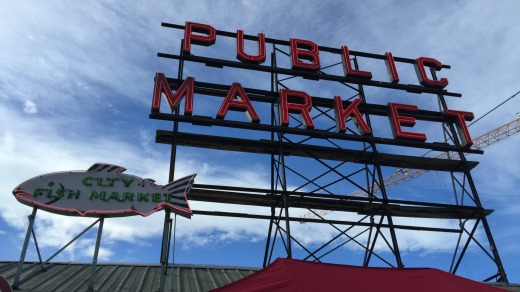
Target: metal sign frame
[376,210]
[43,264]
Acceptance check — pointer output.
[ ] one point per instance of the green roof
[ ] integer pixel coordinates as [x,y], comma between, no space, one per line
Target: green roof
[121,276]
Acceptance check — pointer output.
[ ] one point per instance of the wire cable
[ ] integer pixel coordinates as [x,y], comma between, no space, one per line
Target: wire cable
[508,99]
[511,97]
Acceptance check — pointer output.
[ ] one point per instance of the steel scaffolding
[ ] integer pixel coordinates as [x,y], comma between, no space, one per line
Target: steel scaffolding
[309,166]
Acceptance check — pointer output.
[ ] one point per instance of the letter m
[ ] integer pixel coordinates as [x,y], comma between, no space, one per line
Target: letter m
[185,89]
[98,196]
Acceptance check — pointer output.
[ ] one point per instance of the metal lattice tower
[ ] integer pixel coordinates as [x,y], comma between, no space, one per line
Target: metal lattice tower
[312,169]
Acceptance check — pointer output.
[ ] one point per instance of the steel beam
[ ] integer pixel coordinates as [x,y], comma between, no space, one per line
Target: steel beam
[409,209]
[95,257]
[24,248]
[313,133]
[314,151]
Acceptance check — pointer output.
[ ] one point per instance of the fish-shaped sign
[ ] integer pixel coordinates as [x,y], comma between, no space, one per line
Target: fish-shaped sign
[104,190]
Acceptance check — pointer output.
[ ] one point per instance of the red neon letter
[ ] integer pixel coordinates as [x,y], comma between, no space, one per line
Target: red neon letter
[396,121]
[390,67]
[302,108]
[243,56]
[462,128]
[421,72]
[306,50]
[205,40]
[242,103]
[352,110]
[347,66]
[161,86]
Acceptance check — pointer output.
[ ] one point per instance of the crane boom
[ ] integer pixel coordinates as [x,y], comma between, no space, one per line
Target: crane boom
[406,174]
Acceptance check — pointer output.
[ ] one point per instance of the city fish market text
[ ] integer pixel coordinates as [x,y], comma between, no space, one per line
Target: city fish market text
[60,193]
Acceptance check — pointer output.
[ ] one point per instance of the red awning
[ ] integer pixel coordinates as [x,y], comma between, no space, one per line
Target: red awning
[297,275]
[4,285]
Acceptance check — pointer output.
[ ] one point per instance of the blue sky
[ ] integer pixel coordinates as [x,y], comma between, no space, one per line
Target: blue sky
[76,85]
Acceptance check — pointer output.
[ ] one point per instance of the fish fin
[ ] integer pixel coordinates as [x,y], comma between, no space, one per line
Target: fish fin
[181,185]
[180,189]
[105,167]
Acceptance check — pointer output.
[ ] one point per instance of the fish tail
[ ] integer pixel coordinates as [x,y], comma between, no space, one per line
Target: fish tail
[179,190]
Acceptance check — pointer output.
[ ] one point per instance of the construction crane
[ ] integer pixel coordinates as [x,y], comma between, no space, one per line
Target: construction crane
[406,174]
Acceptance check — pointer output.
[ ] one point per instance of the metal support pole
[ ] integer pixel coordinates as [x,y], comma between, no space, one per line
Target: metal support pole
[281,156]
[365,260]
[37,249]
[168,243]
[487,229]
[287,223]
[164,250]
[173,248]
[167,229]
[24,248]
[70,242]
[273,179]
[96,252]
[269,236]
[378,172]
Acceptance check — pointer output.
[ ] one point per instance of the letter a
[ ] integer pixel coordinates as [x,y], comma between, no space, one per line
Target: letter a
[242,103]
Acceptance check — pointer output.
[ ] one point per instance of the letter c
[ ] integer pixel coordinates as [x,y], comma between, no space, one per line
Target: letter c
[87,181]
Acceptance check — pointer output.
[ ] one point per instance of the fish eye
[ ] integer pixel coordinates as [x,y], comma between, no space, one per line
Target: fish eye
[50,184]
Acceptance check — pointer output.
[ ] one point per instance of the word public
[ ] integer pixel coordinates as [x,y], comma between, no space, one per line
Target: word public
[305,56]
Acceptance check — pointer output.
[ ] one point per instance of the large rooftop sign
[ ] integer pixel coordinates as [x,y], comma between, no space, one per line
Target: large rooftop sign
[103,190]
[305,62]
[326,119]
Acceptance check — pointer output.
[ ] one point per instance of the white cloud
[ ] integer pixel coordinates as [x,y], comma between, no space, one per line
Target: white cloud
[25,156]
[29,107]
